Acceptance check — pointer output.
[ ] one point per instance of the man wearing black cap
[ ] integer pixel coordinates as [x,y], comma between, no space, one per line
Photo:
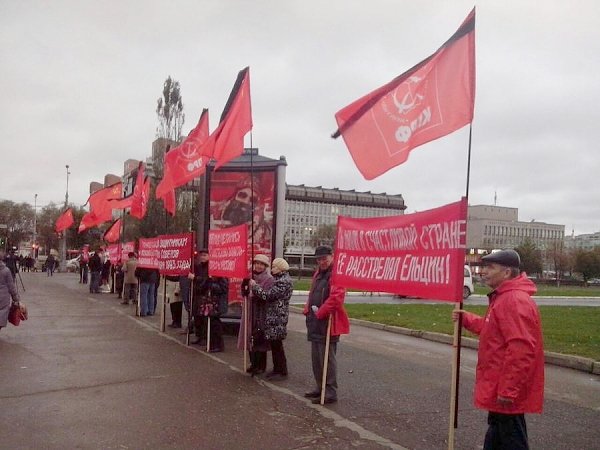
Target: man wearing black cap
[324,300]
[509,381]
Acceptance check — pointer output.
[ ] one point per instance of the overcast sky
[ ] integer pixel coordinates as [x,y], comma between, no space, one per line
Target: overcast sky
[79,82]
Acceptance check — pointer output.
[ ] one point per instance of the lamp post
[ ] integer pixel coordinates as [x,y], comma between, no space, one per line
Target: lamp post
[63,246]
[33,244]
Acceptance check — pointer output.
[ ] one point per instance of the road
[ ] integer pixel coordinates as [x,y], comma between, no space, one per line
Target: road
[85,373]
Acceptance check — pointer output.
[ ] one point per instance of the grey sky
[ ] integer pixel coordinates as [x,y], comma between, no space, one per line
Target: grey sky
[79,84]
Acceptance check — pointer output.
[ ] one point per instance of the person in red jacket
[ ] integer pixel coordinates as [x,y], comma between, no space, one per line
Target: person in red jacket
[324,300]
[509,380]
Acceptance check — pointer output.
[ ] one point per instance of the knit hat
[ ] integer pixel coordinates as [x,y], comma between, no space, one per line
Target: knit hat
[279,265]
[263,259]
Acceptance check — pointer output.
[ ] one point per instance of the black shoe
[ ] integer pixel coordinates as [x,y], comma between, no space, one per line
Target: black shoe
[312,394]
[199,341]
[328,400]
[251,369]
[216,350]
[124,303]
[174,325]
[276,376]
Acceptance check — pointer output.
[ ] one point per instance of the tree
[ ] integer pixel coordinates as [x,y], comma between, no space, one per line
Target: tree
[587,262]
[559,259]
[531,257]
[325,235]
[169,110]
[18,218]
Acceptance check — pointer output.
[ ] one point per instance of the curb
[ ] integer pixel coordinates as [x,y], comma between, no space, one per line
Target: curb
[556,359]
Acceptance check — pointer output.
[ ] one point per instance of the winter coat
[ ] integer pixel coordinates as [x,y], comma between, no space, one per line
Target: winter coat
[210,293]
[146,275]
[330,301]
[95,263]
[8,293]
[510,360]
[277,300]
[129,271]
[256,310]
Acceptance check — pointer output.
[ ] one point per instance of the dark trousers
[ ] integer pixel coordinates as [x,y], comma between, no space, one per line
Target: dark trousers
[258,361]
[318,358]
[279,359]
[506,432]
[176,312]
[216,331]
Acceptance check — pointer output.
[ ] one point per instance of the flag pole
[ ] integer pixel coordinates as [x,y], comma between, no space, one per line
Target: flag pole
[326,361]
[456,341]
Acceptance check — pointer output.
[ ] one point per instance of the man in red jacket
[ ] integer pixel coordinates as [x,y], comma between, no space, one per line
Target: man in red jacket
[509,380]
[325,300]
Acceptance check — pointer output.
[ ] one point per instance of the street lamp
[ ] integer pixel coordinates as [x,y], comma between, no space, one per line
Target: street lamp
[304,230]
[63,245]
[34,226]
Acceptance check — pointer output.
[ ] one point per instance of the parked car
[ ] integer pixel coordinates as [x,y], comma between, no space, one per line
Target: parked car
[73,264]
[40,264]
[467,283]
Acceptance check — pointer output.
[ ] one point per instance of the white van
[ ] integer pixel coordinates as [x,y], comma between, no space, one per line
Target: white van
[467,283]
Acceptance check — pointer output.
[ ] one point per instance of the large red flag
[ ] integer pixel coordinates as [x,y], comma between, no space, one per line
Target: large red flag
[236,121]
[170,202]
[185,162]
[64,221]
[100,206]
[141,193]
[113,233]
[429,101]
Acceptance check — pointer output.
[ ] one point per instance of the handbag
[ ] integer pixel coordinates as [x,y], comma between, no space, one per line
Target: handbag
[16,314]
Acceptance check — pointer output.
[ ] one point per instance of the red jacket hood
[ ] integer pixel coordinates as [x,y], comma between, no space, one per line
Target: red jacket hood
[520,283]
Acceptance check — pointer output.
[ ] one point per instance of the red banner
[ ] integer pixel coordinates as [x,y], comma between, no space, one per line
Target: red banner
[120,251]
[175,257]
[420,255]
[64,221]
[228,252]
[148,252]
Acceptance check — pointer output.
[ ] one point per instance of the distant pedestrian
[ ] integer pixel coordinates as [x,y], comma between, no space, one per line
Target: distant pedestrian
[277,301]
[147,279]
[130,281]
[50,263]
[509,380]
[8,291]
[95,265]
[324,301]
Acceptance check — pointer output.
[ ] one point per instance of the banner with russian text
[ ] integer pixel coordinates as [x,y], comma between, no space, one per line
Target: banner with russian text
[175,253]
[120,251]
[228,250]
[148,252]
[418,255]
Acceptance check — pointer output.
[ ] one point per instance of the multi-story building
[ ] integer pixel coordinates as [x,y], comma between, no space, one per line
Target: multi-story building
[493,227]
[309,208]
[583,241]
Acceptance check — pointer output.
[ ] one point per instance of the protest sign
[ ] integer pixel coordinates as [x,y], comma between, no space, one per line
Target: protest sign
[228,252]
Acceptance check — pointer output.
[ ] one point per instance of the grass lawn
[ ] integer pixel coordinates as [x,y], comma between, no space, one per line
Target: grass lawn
[572,330]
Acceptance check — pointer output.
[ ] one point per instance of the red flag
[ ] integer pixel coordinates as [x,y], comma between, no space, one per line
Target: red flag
[141,192]
[113,233]
[64,221]
[236,121]
[100,206]
[186,161]
[170,202]
[429,101]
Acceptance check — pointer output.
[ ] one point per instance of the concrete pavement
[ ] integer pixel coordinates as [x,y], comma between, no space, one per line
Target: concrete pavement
[83,372]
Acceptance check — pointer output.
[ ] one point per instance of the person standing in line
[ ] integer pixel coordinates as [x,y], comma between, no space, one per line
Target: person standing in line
[325,300]
[50,263]
[119,279]
[277,300]
[12,262]
[509,379]
[209,300]
[8,291]
[130,281]
[257,348]
[84,258]
[95,264]
[147,278]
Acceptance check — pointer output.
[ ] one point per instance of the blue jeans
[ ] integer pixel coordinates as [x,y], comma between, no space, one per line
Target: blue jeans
[147,299]
[95,282]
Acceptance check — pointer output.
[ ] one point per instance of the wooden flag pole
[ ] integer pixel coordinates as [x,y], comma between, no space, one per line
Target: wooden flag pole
[164,305]
[456,341]
[326,361]
[137,299]
[245,332]
[191,311]
[208,334]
